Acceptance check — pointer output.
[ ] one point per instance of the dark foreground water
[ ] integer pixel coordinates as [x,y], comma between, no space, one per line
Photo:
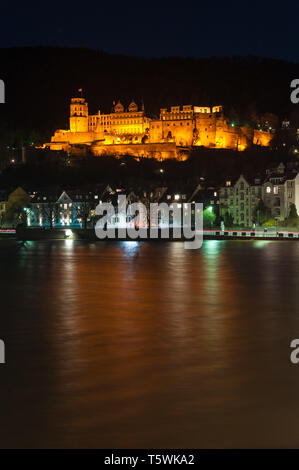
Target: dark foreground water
[149,345]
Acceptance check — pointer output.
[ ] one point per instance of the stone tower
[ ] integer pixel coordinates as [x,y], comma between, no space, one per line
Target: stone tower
[78,115]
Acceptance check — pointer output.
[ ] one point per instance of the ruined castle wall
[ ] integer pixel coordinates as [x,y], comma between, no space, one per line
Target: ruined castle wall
[156,131]
[126,132]
[246,138]
[262,138]
[160,151]
[181,131]
[178,131]
[73,137]
[79,124]
[206,129]
[232,137]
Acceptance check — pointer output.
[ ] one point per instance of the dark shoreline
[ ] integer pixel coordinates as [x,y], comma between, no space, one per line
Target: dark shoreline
[90,236]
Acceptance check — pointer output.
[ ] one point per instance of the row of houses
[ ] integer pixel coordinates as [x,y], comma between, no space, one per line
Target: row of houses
[76,208]
[240,198]
[235,202]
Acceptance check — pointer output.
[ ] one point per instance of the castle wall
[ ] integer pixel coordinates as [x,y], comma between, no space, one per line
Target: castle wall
[73,137]
[262,138]
[232,137]
[205,124]
[160,151]
[178,131]
[78,115]
[156,131]
[181,131]
[78,124]
[130,131]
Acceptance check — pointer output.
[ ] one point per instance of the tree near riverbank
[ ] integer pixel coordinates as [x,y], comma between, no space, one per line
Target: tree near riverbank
[262,213]
[292,220]
[228,220]
[17,201]
[209,217]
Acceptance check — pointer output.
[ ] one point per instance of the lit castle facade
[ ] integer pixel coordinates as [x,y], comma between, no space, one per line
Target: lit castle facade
[129,131]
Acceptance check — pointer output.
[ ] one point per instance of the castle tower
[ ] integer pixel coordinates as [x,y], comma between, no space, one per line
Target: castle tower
[118,108]
[133,108]
[78,115]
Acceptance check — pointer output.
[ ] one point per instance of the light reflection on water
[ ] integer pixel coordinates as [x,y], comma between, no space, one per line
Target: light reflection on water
[261,243]
[149,345]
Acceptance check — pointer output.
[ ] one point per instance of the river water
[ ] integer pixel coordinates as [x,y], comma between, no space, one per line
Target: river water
[127,345]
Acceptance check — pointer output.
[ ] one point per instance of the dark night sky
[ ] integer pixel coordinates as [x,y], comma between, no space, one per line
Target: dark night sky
[153,28]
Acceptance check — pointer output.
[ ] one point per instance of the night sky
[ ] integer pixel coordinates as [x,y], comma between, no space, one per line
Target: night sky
[163,28]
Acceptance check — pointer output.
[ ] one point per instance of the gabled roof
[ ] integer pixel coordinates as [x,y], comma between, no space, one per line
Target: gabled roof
[64,198]
[288,175]
[250,180]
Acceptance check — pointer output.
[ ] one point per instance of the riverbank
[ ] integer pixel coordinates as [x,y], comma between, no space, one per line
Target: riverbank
[7,234]
[36,234]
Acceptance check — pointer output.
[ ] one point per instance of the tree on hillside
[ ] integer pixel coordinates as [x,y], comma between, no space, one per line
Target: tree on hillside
[233,115]
[250,115]
[284,140]
[269,121]
[17,201]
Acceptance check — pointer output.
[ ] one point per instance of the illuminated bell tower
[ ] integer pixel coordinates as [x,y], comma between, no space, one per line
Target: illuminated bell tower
[78,115]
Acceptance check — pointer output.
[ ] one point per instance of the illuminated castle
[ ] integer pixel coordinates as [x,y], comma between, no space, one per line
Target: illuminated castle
[171,136]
